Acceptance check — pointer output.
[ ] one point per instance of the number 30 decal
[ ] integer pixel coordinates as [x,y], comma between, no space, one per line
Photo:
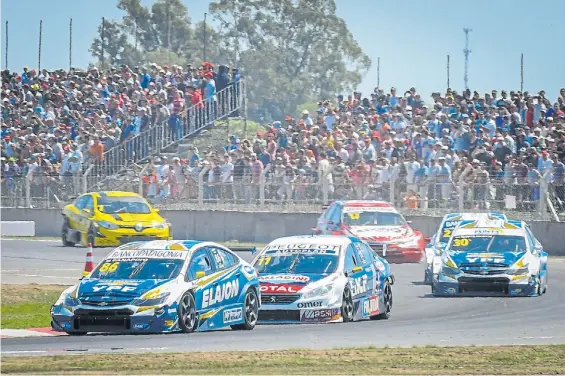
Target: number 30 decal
[461,242]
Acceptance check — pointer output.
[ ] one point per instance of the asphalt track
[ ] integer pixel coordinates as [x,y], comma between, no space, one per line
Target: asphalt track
[417,319]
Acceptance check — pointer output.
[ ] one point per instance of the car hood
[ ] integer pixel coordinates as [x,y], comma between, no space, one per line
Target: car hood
[287,283]
[380,233]
[131,217]
[95,289]
[508,258]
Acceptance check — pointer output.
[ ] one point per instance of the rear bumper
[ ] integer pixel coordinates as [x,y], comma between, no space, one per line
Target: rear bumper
[402,255]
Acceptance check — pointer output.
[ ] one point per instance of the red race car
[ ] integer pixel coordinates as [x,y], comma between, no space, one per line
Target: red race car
[376,222]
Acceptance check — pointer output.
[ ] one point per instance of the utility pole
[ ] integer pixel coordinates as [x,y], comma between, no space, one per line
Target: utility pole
[102,38]
[70,44]
[466,52]
[204,37]
[40,43]
[522,73]
[6,54]
[448,71]
[379,72]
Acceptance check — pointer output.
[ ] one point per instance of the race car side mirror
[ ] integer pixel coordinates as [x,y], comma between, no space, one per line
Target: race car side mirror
[253,250]
[200,274]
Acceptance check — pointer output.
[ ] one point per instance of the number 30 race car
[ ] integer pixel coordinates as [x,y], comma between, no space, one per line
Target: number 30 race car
[162,286]
[484,260]
[315,279]
[376,222]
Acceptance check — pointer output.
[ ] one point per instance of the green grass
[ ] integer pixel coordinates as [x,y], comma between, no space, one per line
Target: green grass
[27,306]
[390,361]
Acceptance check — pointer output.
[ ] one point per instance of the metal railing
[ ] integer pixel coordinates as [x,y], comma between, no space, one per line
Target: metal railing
[200,189]
[193,120]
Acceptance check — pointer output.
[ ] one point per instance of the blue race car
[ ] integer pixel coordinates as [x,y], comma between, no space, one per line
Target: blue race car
[484,259]
[162,286]
[439,240]
[321,279]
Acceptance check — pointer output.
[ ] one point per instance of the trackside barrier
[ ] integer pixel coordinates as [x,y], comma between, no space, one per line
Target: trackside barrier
[17,228]
[259,226]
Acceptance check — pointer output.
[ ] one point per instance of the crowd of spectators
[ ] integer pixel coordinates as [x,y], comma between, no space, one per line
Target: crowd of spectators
[392,146]
[55,123]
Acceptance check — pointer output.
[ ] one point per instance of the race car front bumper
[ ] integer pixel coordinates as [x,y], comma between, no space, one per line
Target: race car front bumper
[275,309]
[472,285]
[106,237]
[122,319]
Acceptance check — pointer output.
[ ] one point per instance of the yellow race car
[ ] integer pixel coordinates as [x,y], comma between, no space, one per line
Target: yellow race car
[107,219]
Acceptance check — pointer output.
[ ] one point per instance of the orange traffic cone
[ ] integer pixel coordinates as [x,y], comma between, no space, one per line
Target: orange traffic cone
[89,265]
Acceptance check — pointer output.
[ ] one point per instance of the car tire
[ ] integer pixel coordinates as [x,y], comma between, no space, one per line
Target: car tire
[91,237]
[387,302]
[347,306]
[65,234]
[186,310]
[250,311]
[426,279]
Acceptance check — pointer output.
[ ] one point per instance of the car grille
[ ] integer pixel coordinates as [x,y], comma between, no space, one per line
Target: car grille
[488,265]
[278,299]
[484,272]
[108,320]
[105,303]
[279,315]
[497,284]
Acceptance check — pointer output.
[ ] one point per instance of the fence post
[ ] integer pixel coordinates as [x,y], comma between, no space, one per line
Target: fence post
[262,181]
[392,187]
[201,185]
[324,181]
[461,198]
[28,178]
[543,196]
[85,178]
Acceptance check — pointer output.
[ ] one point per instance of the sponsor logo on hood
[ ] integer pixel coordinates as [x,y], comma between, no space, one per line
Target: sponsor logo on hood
[508,258]
[379,233]
[284,278]
[118,287]
[268,288]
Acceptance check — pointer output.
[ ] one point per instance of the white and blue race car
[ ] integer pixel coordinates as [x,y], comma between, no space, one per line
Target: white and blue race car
[162,286]
[439,240]
[317,279]
[504,259]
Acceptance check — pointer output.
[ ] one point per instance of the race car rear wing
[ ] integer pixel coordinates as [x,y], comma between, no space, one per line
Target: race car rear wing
[253,250]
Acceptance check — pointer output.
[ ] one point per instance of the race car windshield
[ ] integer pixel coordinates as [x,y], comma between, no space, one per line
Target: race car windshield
[138,269]
[372,218]
[489,243]
[118,205]
[296,263]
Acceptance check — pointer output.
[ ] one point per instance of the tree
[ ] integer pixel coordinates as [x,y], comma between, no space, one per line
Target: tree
[292,51]
[115,42]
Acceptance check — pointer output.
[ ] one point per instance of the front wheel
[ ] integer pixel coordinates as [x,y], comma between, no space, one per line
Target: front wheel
[187,313]
[65,234]
[250,311]
[347,305]
[387,303]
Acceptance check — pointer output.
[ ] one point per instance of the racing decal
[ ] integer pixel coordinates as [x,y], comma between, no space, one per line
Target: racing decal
[223,274]
[147,253]
[233,315]
[319,315]
[280,289]
[303,248]
[487,231]
[359,285]
[371,306]
[109,267]
[219,293]
[377,209]
[121,288]
[284,277]
[249,272]
[451,224]
[209,314]
[461,242]
[360,253]
[310,304]
[218,258]
[141,326]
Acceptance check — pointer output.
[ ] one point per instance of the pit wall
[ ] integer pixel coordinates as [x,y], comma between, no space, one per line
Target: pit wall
[257,227]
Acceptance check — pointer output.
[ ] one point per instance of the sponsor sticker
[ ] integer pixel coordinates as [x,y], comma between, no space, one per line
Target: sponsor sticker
[148,253]
[371,306]
[140,326]
[172,310]
[233,315]
[219,293]
[108,288]
[280,289]
[319,315]
[310,304]
[451,224]
[359,285]
[284,277]
[451,290]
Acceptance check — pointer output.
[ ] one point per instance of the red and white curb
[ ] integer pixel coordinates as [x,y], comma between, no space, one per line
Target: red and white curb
[31,332]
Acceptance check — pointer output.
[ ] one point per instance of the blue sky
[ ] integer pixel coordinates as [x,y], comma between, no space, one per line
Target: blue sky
[412,38]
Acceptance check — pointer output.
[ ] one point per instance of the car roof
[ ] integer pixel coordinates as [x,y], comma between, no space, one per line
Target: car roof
[115,194]
[173,245]
[314,240]
[367,203]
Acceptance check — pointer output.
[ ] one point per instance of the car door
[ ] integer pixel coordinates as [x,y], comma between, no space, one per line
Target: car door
[74,211]
[322,225]
[223,261]
[359,274]
[369,258]
[85,214]
[200,268]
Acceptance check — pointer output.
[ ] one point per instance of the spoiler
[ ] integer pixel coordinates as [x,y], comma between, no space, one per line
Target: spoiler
[253,250]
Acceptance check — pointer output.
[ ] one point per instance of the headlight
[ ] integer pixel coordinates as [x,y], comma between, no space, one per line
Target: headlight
[449,271]
[159,299]
[519,271]
[160,225]
[70,301]
[108,225]
[412,243]
[450,264]
[319,291]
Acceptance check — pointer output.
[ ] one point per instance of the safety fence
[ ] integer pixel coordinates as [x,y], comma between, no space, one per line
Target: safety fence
[226,103]
[203,188]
